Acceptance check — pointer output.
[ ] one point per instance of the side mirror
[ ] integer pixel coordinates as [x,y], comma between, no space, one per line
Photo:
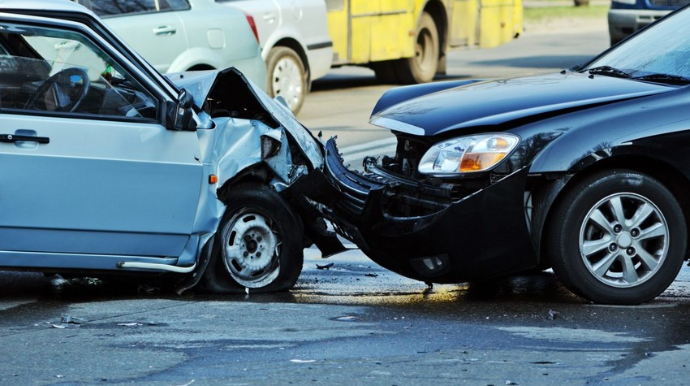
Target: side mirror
[179,115]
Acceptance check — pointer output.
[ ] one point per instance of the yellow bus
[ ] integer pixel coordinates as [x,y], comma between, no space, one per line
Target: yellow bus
[406,41]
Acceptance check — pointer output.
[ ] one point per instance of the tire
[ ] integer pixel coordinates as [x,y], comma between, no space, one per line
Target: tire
[601,250]
[258,244]
[422,67]
[286,76]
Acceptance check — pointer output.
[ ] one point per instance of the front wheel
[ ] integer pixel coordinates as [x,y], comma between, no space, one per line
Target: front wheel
[617,237]
[258,245]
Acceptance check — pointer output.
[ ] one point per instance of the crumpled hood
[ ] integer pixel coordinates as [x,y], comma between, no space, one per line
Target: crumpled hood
[254,101]
[500,101]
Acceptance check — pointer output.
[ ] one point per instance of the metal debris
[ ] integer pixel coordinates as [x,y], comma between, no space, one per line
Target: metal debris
[553,314]
[324,266]
[302,360]
[67,321]
[130,324]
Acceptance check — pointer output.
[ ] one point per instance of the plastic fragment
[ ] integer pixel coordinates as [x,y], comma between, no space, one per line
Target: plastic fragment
[302,360]
[324,266]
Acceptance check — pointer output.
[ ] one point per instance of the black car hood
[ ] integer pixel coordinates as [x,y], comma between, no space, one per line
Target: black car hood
[499,101]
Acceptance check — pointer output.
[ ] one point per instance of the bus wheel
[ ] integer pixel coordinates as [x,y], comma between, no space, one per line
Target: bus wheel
[421,68]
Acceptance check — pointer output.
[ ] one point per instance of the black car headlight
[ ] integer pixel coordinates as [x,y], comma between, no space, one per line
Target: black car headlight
[475,153]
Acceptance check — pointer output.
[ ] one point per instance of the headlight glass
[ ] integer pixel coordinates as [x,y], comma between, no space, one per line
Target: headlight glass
[470,154]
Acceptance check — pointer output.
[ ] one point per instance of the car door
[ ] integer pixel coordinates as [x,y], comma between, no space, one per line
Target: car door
[87,173]
[152,27]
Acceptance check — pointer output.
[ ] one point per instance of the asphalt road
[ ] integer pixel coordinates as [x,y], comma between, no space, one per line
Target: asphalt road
[353,323]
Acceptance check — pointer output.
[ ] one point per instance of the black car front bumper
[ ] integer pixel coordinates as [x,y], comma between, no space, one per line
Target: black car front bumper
[480,235]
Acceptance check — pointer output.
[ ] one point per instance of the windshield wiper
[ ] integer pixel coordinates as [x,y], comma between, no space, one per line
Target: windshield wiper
[608,71]
[664,78]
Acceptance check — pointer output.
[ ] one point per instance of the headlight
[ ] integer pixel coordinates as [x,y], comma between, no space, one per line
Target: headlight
[476,153]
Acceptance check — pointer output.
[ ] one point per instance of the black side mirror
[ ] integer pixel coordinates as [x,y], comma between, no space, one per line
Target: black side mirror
[180,114]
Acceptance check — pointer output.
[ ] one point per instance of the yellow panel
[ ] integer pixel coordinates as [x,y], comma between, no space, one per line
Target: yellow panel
[463,30]
[338,30]
[497,22]
[393,30]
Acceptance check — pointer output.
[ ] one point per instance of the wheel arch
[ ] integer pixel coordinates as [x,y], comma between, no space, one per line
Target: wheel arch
[294,45]
[553,190]
[255,174]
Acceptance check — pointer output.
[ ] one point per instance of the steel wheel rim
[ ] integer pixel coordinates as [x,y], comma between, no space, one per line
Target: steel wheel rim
[251,250]
[287,81]
[624,240]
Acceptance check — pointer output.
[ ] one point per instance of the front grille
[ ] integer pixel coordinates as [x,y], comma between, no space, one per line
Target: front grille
[669,3]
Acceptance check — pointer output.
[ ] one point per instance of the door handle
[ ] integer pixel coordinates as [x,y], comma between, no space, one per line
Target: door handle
[12,138]
[165,30]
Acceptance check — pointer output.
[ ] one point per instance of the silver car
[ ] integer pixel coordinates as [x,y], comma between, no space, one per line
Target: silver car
[109,167]
[185,35]
[295,44]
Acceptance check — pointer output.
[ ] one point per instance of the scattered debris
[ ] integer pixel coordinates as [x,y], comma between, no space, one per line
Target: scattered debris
[371,274]
[130,324]
[324,266]
[67,321]
[511,383]
[553,314]
[347,318]
[145,289]
[302,360]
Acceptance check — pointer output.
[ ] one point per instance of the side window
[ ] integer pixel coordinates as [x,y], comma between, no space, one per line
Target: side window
[107,8]
[60,71]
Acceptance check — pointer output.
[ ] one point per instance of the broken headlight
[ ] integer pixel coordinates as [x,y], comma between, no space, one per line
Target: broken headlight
[475,153]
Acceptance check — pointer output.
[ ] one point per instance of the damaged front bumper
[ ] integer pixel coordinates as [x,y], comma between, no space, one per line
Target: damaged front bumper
[428,232]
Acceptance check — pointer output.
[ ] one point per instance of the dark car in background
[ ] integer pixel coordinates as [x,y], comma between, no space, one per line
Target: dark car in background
[586,171]
[628,16]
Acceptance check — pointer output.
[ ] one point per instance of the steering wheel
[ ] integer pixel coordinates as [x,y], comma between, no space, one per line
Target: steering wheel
[69,87]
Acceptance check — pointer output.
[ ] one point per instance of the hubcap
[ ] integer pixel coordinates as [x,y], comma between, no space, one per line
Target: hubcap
[287,81]
[424,51]
[251,250]
[624,240]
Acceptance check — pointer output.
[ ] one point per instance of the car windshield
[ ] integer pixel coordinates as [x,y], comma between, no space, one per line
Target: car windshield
[659,54]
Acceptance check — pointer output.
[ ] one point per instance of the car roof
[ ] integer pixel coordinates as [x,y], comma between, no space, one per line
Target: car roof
[43,5]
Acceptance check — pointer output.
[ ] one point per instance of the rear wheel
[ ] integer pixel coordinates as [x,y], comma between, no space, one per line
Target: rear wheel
[287,77]
[618,237]
[258,245]
[422,67]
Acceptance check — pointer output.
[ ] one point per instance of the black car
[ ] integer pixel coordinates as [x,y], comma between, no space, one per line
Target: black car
[586,171]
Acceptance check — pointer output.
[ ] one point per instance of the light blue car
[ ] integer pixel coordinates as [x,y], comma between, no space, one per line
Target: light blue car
[108,166]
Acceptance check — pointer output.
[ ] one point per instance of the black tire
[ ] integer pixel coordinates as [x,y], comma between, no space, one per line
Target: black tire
[258,244]
[286,76]
[422,67]
[601,251]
